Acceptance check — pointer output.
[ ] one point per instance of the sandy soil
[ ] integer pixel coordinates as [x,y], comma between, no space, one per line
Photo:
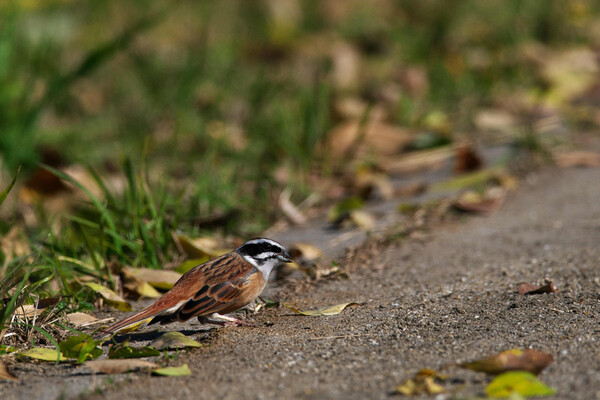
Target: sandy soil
[448,297]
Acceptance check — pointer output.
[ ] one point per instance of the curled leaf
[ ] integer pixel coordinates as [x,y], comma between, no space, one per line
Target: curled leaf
[111,297]
[174,340]
[118,366]
[330,310]
[518,382]
[533,361]
[173,371]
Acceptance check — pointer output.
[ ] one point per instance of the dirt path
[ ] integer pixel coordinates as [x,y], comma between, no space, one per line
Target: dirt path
[426,303]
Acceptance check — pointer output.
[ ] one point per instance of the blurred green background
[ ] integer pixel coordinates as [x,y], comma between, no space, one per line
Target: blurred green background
[215,97]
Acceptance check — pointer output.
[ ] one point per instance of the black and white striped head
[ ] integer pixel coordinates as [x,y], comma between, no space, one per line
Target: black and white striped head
[265,254]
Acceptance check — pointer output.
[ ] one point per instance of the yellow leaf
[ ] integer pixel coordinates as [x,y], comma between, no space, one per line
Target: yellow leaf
[173,371]
[200,247]
[174,340]
[423,382]
[111,297]
[330,310]
[146,290]
[40,353]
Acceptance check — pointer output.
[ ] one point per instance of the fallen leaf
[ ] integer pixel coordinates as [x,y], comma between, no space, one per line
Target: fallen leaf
[118,366]
[519,382]
[577,159]
[341,210]
[200,247]
[466,159]
[374,138]
[411,189]
[5,374]
[189,264]
[158,278]
[125,351]
[485,204]
[174,340]
[424,382]
[416,161]
[80,319]
[173,371]
[144,289]
[529,360]
[304,252]
[362,219]
[528,288]
[495,120]
[40,353]
[111,297]
[80,347]
[330,310]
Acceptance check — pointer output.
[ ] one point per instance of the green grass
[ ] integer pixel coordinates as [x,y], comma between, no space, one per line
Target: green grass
[195,107]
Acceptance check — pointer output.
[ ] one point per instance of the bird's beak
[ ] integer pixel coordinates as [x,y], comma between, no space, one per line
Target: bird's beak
[285,257]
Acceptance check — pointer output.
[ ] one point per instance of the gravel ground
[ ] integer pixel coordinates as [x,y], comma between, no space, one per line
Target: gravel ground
[446,297]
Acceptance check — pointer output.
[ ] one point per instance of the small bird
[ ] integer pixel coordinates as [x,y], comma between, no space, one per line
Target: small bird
[216,287]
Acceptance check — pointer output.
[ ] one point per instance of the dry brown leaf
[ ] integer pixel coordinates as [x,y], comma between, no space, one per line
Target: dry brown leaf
[578,159]
[529,288]
[81,319]
[30,310]
[5,373]
[466,159]
[424,382]
[416,161]
[119,366]
[374,138]
[530,360]
[495,120]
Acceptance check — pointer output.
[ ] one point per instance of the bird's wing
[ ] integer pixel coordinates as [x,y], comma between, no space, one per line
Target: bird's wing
[219,279]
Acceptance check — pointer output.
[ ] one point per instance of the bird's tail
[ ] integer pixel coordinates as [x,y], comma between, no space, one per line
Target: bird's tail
[127,322]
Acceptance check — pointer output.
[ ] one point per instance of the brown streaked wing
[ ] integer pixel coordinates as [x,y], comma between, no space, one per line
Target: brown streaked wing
[211,299]
[227,267]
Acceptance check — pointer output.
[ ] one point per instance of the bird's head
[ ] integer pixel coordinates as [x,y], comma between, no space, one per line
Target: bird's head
[265,254]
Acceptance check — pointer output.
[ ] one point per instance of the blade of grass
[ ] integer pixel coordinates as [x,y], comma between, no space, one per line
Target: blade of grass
[6,191]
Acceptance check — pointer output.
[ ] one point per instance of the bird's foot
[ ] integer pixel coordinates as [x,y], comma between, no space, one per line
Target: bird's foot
[224,320]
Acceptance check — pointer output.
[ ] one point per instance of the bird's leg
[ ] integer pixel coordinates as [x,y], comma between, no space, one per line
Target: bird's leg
[223,320]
